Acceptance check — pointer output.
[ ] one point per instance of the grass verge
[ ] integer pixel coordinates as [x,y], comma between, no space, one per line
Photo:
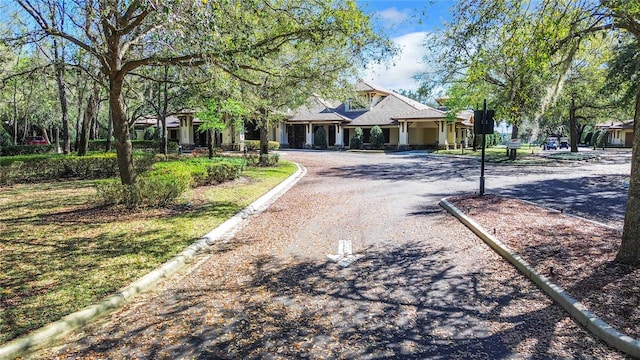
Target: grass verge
[525,155]
[61,253]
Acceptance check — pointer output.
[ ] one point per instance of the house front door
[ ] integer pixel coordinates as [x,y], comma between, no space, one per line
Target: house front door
[296,136]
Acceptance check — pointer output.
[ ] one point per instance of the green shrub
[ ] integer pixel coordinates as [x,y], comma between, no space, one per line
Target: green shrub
[356,139]
[585,132]
[320,138]
[168,180]
[594,138]
[5,138]
[12,150]
[151,133]
[587,138]
[376,137]
[143,145]
[153,189]
[601,141]
[270,160]
[38,168]
[254,145]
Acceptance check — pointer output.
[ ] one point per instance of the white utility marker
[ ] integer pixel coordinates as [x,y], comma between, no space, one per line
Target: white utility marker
[345,255]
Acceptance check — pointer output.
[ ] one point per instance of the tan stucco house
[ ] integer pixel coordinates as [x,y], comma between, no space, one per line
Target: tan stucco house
[620,133]
[405,123]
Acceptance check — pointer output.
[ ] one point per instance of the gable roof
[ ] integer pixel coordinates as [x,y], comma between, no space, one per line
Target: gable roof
[316,109]
[389,107]
[618,125]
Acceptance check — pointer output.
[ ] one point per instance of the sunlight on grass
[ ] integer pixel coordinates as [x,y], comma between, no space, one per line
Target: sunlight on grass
[525,154]
[60,252]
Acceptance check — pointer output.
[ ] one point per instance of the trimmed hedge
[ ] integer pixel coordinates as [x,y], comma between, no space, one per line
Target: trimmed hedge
[38,168]
[376,137]
[12,150]
[269,160]
[168,180]
[144,145]
[254,145]
[356,139]
[320,138]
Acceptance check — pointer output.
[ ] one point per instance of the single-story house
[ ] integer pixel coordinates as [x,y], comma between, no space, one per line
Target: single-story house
[405,123]
[620,133]
[182,128]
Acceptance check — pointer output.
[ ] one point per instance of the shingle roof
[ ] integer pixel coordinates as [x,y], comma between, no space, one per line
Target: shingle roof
[385,112]
[618,125]
[316,109]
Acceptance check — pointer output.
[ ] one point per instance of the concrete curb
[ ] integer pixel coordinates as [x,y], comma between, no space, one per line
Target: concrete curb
[576,309]
[58,329]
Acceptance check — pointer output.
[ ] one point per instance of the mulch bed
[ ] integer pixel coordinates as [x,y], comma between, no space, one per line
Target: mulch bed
[576,254]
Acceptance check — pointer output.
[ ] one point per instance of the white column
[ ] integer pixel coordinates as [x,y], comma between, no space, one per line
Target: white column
[190,130]
[339,136]
[403,134]
[442,134]
[309,139]
[184,135]
[455,136]
[284,137]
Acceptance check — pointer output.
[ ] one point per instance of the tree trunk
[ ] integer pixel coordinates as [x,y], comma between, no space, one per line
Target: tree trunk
[107,145]
[45,134]
[165,106]
[573,126]
[514,135]
[64,108]
[121,130]
[629,252]
[15,112]
[210,134]
[89,115]
[56,138]
[264,143]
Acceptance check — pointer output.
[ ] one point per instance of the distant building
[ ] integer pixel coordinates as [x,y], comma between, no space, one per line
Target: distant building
[620,133]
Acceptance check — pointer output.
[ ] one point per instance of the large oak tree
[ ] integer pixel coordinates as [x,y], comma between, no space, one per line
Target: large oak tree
[124,35]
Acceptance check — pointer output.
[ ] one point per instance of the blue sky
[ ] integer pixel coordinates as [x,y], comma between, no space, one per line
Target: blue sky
[406,23]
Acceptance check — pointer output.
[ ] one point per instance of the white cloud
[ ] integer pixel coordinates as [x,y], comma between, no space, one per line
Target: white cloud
[392,16]
[399,73]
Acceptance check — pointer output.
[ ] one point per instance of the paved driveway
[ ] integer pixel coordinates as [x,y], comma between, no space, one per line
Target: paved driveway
[419,284]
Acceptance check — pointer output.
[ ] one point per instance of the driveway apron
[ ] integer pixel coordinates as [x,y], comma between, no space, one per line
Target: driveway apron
[357,261]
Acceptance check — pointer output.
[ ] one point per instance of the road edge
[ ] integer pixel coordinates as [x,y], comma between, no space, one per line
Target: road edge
[577,310]
[55,330]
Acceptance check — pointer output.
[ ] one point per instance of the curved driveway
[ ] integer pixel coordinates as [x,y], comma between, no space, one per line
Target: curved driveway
[420,285]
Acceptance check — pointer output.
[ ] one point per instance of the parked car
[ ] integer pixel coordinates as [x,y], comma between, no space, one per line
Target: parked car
[550,144]
[564,145]
[36,140]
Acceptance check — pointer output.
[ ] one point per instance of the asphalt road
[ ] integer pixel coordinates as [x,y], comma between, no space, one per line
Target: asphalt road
[418,284]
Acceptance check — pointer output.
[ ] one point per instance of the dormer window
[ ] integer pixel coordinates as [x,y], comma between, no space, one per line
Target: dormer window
[358,103]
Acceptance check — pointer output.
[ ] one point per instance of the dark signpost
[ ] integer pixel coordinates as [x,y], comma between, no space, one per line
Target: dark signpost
[483,124]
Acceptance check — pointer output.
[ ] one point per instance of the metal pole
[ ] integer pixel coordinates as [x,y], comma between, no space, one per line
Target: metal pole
[483,126]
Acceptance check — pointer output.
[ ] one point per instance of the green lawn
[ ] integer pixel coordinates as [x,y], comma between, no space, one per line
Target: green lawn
[60,252]
[499,154]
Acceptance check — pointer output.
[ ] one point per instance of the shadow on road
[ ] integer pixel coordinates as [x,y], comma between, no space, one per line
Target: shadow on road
[394,302]
[602,198]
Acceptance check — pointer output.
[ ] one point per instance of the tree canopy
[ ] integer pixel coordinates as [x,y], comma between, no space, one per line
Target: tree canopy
[240,38]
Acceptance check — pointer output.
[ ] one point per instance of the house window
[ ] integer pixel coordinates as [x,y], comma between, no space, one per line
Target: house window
[358,103]
[387,135]
[173,135]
